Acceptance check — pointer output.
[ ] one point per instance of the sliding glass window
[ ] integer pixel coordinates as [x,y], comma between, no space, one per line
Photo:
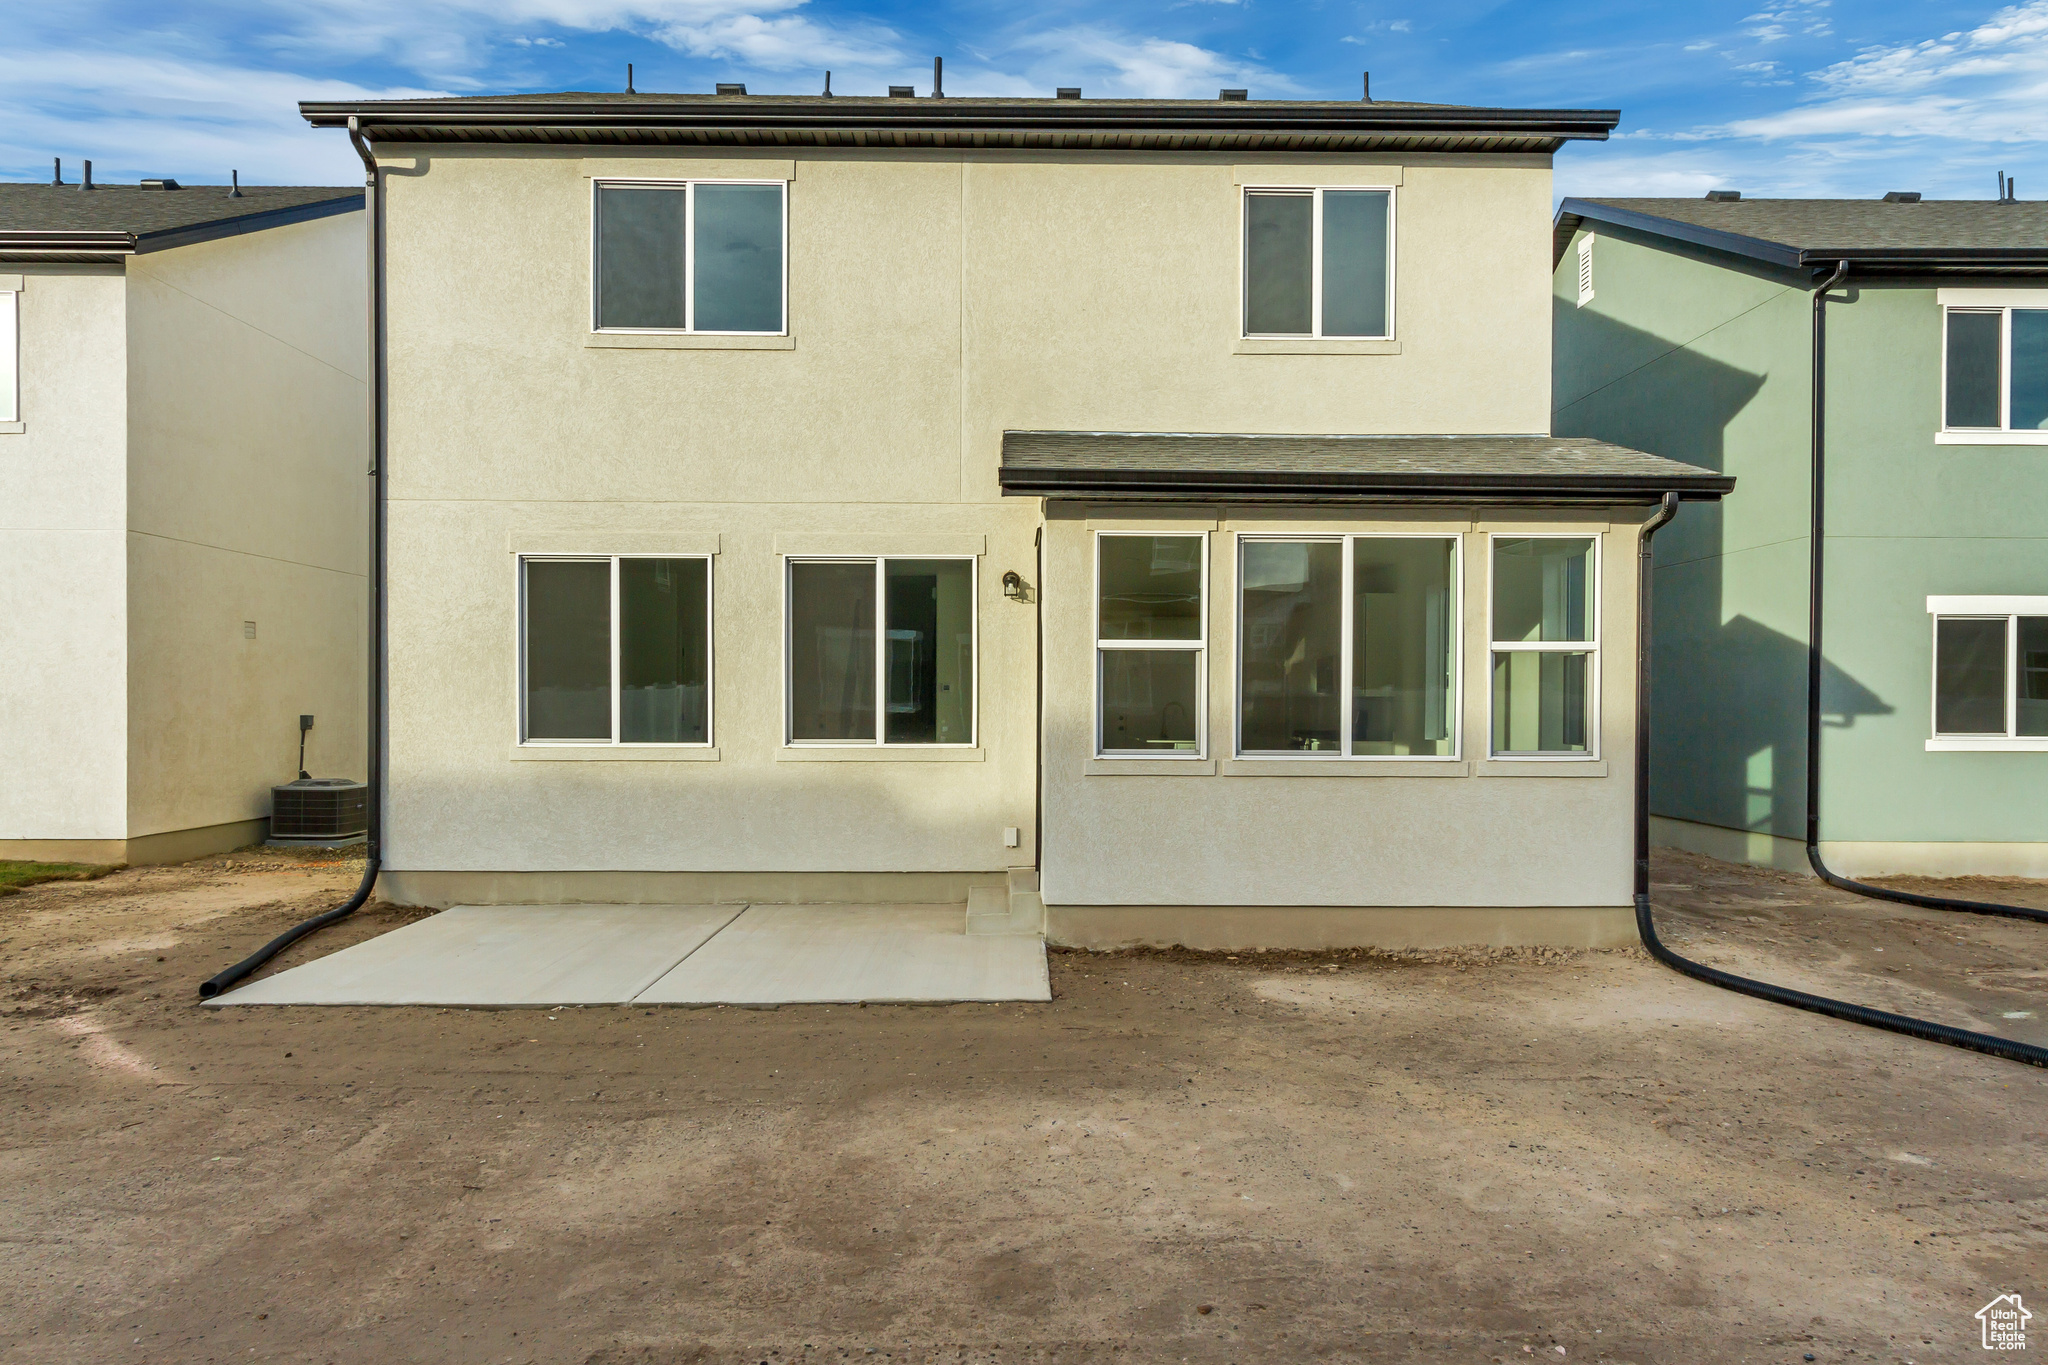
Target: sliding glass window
[1995,369]
[1545,614]
[897,630]
[1990,672]
[1319,263]
[1347,645]
[615,650]
[691,256]
[1151,640]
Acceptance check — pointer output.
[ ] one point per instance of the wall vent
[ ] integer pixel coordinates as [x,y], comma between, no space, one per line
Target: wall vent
[1585,271]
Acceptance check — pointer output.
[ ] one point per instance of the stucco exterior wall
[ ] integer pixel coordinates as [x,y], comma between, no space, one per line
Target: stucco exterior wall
[247,502]
[1701,358]
[1473,832]
[63,645]
[935,300]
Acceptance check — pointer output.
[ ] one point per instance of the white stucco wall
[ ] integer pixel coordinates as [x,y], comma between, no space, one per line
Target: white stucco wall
[63,645]
[935,301]
[247,501]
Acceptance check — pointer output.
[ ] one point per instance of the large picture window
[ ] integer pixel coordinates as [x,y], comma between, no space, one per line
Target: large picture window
[691,256]
[1545,642]
[881,651]
[1990,672]
[1151,637]
[1347,645]
[1994,365]
[1319,263]
[615,650]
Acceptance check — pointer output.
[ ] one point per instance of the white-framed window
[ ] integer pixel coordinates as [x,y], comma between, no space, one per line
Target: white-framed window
[10,349]
[1585,270]
[1151,644]
[703,256]
[1994,366]
[887,629]
[1543,624]
[1990,673]
[1348,645]
[615,650]
[1319,262]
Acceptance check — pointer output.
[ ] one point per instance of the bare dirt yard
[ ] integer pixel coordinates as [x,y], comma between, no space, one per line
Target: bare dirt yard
[1476,1156]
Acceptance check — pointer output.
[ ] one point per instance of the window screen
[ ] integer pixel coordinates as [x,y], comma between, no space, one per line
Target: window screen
[1316,262]
[616,650]
[1149,644]
[700,256]
[903,628]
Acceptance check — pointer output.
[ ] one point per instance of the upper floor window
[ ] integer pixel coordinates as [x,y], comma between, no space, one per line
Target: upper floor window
[1319,263]
[1990,672]
[1995,363]
[692,256]
[10,367]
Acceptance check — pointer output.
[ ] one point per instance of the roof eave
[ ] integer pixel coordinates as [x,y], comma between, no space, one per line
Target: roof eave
[1023,481]
[1734,243]
[1573,213]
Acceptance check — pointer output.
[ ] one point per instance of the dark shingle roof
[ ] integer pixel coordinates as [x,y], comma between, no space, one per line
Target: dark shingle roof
[65,222]
[1127,464]
[601,118]
[1813,233]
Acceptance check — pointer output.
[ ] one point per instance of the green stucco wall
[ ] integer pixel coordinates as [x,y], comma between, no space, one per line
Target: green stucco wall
[1704,360]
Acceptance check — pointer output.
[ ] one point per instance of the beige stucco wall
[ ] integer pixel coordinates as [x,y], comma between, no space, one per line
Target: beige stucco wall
[935,301]
[247,501]
[1221,831]
[63,643]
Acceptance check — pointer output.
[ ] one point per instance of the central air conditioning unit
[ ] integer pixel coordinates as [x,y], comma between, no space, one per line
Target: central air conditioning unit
[319,812]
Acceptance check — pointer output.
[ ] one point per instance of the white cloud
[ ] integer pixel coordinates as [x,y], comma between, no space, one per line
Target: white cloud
[1111,62]
[787,42]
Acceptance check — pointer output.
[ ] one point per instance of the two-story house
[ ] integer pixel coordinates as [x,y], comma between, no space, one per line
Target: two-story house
[1145,507]
[183,537]
[1689,328]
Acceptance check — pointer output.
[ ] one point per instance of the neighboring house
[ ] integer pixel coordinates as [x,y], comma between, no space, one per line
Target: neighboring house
[779,510]
[182,419]
[1684,327]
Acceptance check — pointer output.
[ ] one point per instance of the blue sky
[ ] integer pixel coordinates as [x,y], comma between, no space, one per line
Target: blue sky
[1810,97]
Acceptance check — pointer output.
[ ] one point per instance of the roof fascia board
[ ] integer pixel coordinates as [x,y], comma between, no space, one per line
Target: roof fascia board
[1024,481]
[768,117]
[164,240]
[1734,243]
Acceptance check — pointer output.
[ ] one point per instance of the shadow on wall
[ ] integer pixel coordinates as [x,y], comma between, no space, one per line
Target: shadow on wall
[1728,693]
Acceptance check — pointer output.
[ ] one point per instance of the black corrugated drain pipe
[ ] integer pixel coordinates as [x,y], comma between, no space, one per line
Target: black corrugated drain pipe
[373,843]
[1714,976]
[1817,563]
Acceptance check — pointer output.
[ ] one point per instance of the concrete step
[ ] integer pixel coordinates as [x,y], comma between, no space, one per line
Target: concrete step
[1027,912]
[988,910]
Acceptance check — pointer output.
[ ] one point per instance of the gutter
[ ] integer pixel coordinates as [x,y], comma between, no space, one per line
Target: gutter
[1023,481]
[372,202]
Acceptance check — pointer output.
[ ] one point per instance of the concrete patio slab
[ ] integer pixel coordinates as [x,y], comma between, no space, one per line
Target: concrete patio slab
[827,954]
[501,955]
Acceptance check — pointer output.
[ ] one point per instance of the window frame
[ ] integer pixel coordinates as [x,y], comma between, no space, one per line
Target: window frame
[1348,646]
[881,739]
[688,185]
[2002,302]
[710,739]
[1981,608]
[1199,646]
[10,354]
[1595,694]
[1244,264]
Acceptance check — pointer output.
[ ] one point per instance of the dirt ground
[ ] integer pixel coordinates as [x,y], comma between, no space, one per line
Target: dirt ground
[1472,1156]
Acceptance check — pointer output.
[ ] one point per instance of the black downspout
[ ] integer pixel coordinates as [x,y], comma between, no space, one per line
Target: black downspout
[1762,990]
[1817,563]
[374,842]
[1038,736]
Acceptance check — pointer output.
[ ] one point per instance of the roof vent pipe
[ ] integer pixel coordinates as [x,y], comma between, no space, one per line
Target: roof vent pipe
[235,187]
[938,78]
[828,82]
[2008,192]
[86,183]
[1366,93]
[629,80]
[56,170]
